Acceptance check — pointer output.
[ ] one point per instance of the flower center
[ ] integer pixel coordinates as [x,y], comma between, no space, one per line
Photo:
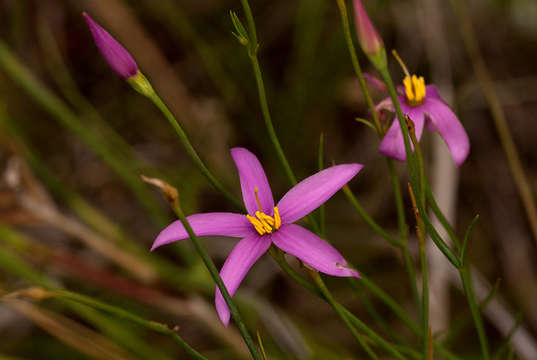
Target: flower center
[414,90]
[263,223]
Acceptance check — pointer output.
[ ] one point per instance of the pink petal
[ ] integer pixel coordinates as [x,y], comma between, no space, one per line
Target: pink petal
[207,224]
[253,176]
[312,250]
[238,263]
[392,144]
[432,93]
[448,125]
[311,192]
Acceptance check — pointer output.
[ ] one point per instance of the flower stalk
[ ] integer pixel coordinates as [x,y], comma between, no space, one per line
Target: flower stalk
[401,218]
[172,196]
[122,62]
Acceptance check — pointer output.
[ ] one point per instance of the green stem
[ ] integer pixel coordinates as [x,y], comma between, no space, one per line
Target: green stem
[402,123]
[216,276]
[466,279]
[122,314]
[191,151]
[252,54]
[368,219]
[373,335]
[268,120]
[441,217]
[385,298]
[339,310]
[356,64]
[401,219]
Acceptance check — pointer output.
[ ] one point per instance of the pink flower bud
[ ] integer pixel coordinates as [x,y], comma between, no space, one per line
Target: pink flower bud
[119,59]
[369,39]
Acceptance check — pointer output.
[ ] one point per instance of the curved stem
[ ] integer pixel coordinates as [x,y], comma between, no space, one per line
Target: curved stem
[191,151]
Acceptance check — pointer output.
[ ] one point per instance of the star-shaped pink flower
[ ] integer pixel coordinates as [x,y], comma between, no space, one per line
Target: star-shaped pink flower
[266,224]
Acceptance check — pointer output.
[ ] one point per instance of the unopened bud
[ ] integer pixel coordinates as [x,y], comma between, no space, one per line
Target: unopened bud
[370,41]
[119,59]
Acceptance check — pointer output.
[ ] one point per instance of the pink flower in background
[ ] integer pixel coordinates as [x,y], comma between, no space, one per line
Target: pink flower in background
[266,224]
[424,106]
[119,59]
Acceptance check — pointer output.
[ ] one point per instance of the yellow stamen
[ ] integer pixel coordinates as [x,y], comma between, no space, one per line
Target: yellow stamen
[257,224]
[415,90]
[265,224]
[414,86]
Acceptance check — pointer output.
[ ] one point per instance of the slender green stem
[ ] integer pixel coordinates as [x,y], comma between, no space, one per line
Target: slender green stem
[216,276]
[251,24]
[441,217]
[268,120]
[121,313]
[373,335]
[402,123]
[191,151]
[368,219]
[424,313]
[356,64]
[339,310]
[474,308]
[371,286]
[401,218]
[252,53]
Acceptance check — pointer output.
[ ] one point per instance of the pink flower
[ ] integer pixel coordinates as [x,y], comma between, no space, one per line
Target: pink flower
[266,224]
[424,106]
[119,59]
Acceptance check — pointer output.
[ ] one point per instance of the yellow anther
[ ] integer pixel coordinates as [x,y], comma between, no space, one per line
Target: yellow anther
[265,224]
[257,224]
[415,90]
[277,219]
